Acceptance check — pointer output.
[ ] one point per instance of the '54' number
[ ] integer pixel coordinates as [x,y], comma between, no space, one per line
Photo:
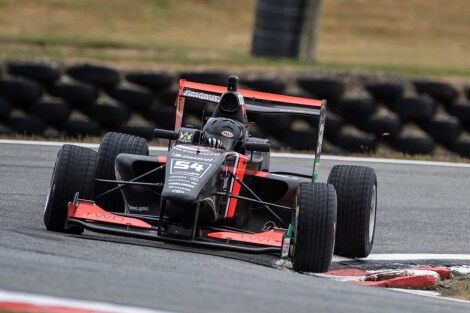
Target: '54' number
[185,165]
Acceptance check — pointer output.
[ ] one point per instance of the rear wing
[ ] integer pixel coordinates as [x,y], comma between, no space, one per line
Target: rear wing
[259,102]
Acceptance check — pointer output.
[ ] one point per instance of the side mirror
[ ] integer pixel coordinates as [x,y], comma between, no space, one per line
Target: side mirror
[165,134]
[258,146]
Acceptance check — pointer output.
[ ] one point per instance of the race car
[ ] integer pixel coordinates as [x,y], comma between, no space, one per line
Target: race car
[214,187]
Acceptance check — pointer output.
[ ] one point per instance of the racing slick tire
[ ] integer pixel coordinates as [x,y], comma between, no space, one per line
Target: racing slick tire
[111,145]
[74,171]
[356,188]
[314,224]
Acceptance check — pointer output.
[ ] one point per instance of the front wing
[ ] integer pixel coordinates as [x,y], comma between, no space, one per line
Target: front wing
[90,216]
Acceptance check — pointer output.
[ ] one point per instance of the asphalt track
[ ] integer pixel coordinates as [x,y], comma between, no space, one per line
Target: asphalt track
[422,209]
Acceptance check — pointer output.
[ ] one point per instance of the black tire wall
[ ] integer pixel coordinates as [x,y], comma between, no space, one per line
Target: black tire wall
[43,98]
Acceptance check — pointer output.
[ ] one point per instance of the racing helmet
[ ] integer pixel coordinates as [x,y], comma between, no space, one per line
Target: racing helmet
[228,131]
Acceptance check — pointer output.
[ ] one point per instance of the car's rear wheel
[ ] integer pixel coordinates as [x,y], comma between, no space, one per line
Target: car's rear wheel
[111,145]
[74,171]
[314,228]
[356,188]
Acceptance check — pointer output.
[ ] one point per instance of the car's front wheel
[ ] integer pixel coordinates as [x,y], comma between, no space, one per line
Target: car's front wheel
[74,171]
[111,145]
[314,228]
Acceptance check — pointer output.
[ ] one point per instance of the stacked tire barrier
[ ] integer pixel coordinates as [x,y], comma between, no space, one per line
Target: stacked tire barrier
[413,116]
[278,28]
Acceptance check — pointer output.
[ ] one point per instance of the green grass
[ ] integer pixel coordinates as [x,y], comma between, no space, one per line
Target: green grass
[419,37]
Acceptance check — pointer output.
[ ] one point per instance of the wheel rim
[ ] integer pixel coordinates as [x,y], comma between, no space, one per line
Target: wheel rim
[373,205]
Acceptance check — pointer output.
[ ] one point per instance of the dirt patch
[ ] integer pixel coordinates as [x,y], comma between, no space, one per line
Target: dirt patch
[456,287]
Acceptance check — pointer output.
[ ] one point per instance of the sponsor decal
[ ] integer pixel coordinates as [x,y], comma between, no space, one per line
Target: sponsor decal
[198,150]
[138,208]
[201,95]
[298,111]
[227,134]
[185,137]
[190,157]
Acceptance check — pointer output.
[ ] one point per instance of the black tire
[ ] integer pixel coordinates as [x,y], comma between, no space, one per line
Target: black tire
[272,123]
[323,88]
[333,125]
[167,97]
[207,77]
[300,139]
[418,109]
[354,140]
[275,44]
[273,85]
[462,146]
[5,109]
[44,73]
[74,171]
[26,125]
[20,91]
[111,145]
[144,130]
[461,110]
[133,97]
[280,16]
[408,143]
[109,114]
[154,81]
[445,129]
[4,130]
[356,109]
[385,92]
[81,128]
[76,93]
[466,90]
[439,91]
[98,75]
[381,125]
[51,110]
[314,228]
[163,116]
[356,190]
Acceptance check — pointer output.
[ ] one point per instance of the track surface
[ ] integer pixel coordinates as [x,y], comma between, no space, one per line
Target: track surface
[422,209]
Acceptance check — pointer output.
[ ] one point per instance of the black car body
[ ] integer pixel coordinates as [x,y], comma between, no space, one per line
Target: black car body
[220,198]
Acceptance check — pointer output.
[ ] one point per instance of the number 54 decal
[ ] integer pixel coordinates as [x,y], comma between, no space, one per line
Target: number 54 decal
[184,165]
[179,166]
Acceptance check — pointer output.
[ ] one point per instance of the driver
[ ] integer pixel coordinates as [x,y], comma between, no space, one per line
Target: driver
[223,133]
[227,128]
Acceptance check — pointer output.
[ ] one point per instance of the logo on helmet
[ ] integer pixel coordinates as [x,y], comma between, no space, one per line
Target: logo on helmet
[227,134]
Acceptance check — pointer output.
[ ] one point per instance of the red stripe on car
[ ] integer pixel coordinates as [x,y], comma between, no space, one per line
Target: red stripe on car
[240,173]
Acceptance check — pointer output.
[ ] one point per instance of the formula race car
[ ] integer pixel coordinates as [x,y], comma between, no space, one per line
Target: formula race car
[214,187]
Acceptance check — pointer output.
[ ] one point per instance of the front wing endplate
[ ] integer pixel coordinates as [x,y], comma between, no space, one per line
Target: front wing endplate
[272,238]
[90,211]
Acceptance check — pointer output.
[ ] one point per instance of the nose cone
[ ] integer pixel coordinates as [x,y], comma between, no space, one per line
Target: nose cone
[191,173]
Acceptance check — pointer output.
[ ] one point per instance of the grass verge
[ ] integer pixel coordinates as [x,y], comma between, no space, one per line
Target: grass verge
[430,39]
[457,287]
